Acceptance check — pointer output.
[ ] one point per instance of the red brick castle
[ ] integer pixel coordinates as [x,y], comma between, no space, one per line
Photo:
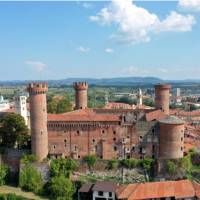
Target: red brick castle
[108,133]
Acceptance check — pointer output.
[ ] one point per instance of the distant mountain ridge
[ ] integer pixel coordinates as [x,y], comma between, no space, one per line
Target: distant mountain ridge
[118,81]
[94,81]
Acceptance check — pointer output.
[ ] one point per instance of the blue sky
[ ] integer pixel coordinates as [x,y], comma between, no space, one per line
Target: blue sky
[56,40]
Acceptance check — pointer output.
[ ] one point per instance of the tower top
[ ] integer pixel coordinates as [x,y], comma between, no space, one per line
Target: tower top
[162,86]
[37,87]
[80,85]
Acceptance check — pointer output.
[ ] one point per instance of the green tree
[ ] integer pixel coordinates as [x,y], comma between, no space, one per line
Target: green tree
[60,188]
[4,170]
[146,163]
[30,179]
[112,164]
[148,102]
[62,166]
[90,160]
[129,163]
[14,131]
[171,167]
[186,163]
[59,105]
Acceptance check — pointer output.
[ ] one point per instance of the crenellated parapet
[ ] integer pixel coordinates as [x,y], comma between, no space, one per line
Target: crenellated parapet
[163,86]
[80,95]
[162,94]
[37,88]
[80,85]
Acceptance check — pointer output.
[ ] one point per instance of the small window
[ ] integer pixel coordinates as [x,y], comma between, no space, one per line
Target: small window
[93,140]
[103,131]
[78,132]
[181,139]
[153,130]
[133,148]
[128,136]
[114,132]
[100,193]
[65,140]
[110,194]
[181,148]
[115,148]
[54,146]
[79,156]
[114,139]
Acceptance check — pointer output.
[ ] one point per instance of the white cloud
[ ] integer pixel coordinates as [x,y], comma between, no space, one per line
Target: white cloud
[109,50]
[132,70]
[162,70]
[87,5]
[83,49]
[190,5]
[38,65]
[136,24]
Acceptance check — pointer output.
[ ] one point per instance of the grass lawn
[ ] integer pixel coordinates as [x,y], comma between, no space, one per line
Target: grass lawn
[18,191]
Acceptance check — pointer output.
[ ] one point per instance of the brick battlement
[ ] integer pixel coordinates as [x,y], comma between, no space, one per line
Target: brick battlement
[37,87]
[162,86]
[80,85]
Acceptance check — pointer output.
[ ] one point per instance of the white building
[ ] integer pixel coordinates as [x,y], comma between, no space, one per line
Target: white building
[21,107]
[4,104]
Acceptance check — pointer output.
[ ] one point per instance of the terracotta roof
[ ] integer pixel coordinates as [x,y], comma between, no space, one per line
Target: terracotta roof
[187,147]
[177,189]
[118,105]
[83,115]
[155,115]
[197,189]
[171,120]
[183,113]
[104,186]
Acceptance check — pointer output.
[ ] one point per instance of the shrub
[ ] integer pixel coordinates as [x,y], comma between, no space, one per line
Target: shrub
[11,196]
[146,163]
[4,170]
[30,179]
[28,158]
[185,163]
[129,163]
[90,160]
[62,166]
[171,167]
[60,187]
[112,164]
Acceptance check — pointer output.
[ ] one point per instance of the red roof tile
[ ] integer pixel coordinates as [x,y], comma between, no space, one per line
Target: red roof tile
[83,115]
[177,189]
[155,115]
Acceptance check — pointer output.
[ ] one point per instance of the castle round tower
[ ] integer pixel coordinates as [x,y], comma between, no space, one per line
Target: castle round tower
[162,97]
[80,95]
[38,119]
[171,145]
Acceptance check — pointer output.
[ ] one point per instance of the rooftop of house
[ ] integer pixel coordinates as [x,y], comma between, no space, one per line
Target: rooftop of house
[105,186]
[171,120]
[150,190]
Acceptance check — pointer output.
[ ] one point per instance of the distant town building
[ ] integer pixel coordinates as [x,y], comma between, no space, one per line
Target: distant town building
[4,104]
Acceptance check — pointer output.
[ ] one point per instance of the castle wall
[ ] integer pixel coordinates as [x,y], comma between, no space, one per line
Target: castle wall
[106,140]
[171,141]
